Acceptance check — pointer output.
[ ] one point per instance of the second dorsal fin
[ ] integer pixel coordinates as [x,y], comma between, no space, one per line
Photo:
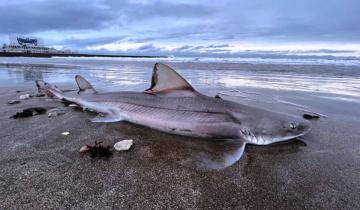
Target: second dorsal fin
[166,79]
[84,85]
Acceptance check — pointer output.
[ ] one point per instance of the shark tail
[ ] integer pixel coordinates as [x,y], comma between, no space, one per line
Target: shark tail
[50,90]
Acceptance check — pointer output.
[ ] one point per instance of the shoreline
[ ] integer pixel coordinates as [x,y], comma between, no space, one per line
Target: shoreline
[49,55]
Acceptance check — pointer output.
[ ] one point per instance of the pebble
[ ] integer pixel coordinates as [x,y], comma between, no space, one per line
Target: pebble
[123,145]
[55,112]
[25,96]
[65,133]
[13,102]
[40,95]
[73,105]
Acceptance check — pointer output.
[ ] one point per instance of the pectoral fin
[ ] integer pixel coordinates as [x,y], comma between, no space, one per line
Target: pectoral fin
[107,118]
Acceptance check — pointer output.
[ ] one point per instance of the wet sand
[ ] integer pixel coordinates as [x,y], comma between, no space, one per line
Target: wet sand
[40,168]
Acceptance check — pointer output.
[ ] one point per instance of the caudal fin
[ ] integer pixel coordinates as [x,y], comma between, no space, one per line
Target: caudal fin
[48,89]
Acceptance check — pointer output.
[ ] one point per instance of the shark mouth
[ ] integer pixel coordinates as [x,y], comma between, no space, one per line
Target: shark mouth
[251,138]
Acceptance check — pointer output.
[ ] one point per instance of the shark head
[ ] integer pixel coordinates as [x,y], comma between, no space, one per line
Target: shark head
[275,128]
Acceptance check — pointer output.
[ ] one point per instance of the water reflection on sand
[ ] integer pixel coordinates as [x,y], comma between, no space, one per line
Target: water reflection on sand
[195,153]
[135,75]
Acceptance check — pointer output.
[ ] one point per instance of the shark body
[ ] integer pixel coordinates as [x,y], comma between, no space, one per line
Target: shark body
[172,105]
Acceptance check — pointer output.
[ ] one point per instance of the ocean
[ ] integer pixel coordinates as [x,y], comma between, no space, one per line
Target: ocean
[332,78]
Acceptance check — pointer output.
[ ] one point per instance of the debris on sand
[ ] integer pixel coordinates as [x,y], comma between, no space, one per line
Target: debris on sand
[39,95]
[29,112]
[123,145]
[25,96]
[66,103]
[66,133]
[13,102]
[217,96]
[311,116]
[311,113]
[55,112]
[84,149]
[97,150]
[73,105]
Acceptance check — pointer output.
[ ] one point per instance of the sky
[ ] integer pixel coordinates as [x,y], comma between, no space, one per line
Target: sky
[227,28]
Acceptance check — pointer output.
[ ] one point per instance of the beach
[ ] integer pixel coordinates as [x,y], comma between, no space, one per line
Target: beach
[40,168]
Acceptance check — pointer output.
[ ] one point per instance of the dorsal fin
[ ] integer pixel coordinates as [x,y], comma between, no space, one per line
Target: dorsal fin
[84,85]
[166,79]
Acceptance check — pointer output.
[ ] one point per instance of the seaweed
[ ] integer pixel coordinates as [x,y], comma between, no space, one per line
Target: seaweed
[29,112]
[99,150]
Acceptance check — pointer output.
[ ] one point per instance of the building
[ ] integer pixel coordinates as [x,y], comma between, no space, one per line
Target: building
[30,45]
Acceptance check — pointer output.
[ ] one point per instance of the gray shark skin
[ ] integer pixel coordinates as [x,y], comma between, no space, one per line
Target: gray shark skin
[172,105]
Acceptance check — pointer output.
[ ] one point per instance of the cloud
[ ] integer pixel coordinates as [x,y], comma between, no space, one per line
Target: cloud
[32,16]
[192,27]
[83,43]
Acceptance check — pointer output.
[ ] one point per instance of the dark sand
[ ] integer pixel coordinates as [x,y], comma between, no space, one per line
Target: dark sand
[40,168]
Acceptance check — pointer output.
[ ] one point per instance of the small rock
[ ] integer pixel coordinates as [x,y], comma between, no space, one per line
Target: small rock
[217,96]
[39,95]
[25,96]
[19,91]
[123,145]
[13,102]
[65,133]
[73,105]
[84,149]
[55,112]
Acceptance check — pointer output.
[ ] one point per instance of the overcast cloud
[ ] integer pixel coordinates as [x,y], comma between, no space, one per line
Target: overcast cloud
[186,27]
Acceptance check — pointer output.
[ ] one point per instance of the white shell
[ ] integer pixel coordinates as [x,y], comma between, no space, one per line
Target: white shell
[55,112]
[84,149]
[25,96]
[65,133]
[123,145]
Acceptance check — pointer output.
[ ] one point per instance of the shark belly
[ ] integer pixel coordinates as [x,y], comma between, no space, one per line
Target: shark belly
[181,122]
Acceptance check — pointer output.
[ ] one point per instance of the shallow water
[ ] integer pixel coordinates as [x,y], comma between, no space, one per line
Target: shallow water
[263,85]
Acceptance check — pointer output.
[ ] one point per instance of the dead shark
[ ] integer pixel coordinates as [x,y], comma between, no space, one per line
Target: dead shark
[172,105]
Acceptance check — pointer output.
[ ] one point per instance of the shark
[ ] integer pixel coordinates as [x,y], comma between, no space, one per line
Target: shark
[172,105]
